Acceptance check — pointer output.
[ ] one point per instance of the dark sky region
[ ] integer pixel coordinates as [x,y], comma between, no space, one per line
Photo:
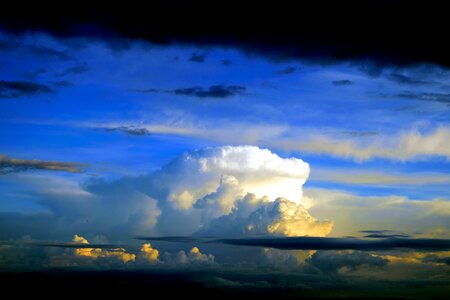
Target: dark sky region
[225,148]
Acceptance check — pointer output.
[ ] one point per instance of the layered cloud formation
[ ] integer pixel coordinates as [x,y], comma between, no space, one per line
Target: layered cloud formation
[223,190]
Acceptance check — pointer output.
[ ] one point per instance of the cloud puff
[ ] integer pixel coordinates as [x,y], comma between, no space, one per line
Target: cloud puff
[10,165]
[192,258]
[282,217]
[148,253]
[17,89]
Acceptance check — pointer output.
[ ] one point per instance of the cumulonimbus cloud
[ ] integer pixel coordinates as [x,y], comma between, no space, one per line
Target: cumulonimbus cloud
[202,190]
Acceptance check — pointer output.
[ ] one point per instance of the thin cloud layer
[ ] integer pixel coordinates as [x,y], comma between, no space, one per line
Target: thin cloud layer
[13,165]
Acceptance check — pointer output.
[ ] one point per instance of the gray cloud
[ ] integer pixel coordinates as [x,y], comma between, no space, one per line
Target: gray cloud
[17,89]
[406,80]
[425,96]
[131,130]
[37,51]
[342,82]
[287,71]
[12,165]
[198,57]
[76,69]
[214,91]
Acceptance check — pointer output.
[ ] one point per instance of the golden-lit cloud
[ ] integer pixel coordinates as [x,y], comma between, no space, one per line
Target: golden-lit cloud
[148,253]
[94,253]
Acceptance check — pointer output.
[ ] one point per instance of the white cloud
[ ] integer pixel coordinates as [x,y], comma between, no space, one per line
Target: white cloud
[178,199]
[253,216]
[402,146]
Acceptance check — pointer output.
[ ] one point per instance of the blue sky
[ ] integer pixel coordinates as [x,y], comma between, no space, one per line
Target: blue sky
[99,93]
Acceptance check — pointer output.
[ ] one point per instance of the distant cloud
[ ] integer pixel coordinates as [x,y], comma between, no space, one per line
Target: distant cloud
[359,133]
[37,51]
[425,96]
[226,62]
[214,91]
[327,243]
[17,89]
[384,234]
[12,165]
[287,71]
[131,130]
[406,80]
[198,57]
[77,69]
[342,82]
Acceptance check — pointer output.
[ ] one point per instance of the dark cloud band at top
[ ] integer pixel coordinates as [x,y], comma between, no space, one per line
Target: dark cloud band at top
[386,32]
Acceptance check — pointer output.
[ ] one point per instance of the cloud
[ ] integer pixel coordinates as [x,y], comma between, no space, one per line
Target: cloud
[252,216]
[381,178]
[12,165]
[404,146]
[226,62]
[334,261]
[328,243]
[384,234]
[96,253]
[74,70]
[131,130]
[342,82]
[290,38]
[38,51]
[214,91]
[198,57]
[148,253]
[192,189]
[425,96]
[407,80]
[18,89]
[287,71]
[192,258]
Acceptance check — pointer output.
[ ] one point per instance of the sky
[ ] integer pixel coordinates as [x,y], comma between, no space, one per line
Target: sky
[129,144]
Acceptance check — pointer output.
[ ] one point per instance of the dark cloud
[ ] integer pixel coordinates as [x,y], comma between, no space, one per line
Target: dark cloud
[226,62]
[425,96]
[214,91]
[319,243]
[131,130]
[12,165]
[342,82]
[198,57]
[287,71]
[77,69]
[62,83]
[332,261]
[17,89]
[384,234]
[32,75]
[37,51]
[404,40]
[407,80]
[359,133]
[178,239]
